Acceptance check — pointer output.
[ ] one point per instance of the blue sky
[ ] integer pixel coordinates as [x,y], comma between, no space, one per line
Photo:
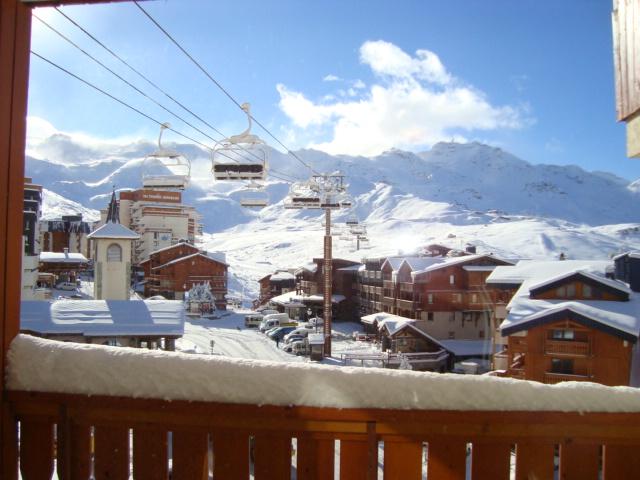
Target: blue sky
[534,77]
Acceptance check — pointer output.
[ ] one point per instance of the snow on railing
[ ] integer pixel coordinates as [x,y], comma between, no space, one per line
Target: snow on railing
[49,366]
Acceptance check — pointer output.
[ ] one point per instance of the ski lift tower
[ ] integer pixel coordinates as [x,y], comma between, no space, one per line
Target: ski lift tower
[324,192]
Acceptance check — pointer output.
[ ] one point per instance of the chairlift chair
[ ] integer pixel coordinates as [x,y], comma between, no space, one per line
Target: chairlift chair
[240,157]
[352,220]
[254,196]
[175,162]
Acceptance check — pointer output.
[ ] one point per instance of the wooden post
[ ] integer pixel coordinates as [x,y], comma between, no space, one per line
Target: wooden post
[15,37]
[327,283]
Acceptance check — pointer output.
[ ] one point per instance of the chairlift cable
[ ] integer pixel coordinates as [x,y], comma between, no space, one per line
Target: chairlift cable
[122,102]
[219,85]
[124,80]
[144,77]
[139,112]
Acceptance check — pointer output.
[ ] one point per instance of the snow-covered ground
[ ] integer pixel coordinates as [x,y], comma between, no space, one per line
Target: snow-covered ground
[232,339]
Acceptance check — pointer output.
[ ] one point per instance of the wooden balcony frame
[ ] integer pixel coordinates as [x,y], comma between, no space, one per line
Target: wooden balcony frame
[403,431]
[567,347]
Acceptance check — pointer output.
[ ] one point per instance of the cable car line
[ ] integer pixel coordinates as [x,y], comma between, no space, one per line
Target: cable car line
[141,75]
[215,82]
[141,113]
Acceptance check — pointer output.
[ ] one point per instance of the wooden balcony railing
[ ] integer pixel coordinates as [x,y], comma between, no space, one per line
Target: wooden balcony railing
[550,377]
[558,347]
[118,436]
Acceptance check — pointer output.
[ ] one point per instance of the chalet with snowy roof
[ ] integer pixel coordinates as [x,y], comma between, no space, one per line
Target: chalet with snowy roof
[310,283]
[575,325]
[174,270]
[400,335]
[126,323]
[275,284]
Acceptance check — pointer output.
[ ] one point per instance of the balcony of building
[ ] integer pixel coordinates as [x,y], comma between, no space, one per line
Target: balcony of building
[566,347]
[148,415]
[406,304]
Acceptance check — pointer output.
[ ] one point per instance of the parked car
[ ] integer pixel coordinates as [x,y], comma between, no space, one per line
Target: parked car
[280,332]
[294,338]
[253,320]
[66,286]
[300,348]
[274,320]
[304,331]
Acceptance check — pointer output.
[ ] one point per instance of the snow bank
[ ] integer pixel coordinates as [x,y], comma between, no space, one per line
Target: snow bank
[44,365]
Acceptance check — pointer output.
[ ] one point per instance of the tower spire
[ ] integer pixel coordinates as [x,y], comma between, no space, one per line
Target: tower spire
[113,211]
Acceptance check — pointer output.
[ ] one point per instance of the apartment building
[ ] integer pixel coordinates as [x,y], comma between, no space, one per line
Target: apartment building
[69,232]
[274,284]
[32,210]
[159,217]
[446,295]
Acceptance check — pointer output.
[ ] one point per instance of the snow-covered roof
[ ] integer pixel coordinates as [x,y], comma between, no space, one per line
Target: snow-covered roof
[615,284]
[187,257]
[315,339]
[621,318]
[540,270]
[218,256]
[113,230]
[309,267]
[392,322]
[467,348]
[175,245]
[286,299]
[36,364]
[62,257]
[103,317]
[632,254]
[414,262]
[351,268]
[444,262]
[280,276]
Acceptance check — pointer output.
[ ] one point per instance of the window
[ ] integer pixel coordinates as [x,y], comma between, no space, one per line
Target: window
[474,298]
[456,297]
[481,334]
[563,335]
[430,316]
[562,365]
[430,298]
[586,291]
[114,253]
[452,335]
[571,290]
[452,279]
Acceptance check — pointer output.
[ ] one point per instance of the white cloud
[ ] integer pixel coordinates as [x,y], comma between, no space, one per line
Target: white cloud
[359,84]
[330,78]
[415,104]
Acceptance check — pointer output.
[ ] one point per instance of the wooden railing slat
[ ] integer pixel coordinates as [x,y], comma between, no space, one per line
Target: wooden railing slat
[73,451]
[403,460]
[111,453]
[620,461]
[190,456]
[230,455]
[446,459]
[36,449]
[272,456]
[491,460]
[579,462]
[534,460]
[150,460]
[316,458]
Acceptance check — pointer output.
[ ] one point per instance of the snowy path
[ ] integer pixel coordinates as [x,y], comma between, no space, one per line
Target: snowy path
[233,340]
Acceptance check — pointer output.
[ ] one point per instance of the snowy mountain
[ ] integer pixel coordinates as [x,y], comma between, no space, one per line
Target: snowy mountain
[453,194]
